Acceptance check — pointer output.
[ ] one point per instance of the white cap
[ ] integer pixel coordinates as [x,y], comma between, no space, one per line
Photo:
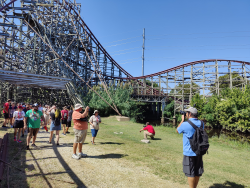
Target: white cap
[192,110]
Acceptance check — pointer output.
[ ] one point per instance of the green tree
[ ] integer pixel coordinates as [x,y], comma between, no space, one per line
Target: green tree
[224,81]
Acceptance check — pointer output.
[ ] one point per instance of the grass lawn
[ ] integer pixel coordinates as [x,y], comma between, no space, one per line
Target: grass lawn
[226,165]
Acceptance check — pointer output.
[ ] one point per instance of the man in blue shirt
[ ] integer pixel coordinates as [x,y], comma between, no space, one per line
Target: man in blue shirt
[192,164]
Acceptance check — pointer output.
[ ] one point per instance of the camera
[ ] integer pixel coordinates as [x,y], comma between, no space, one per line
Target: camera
[182,112]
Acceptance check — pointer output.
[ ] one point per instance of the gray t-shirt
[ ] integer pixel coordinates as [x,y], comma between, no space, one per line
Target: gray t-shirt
[70,115]
[95,120]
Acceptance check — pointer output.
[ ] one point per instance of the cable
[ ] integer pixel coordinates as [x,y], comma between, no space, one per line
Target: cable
[126,53]
[121,33]
[125,49]
[199,46]
[200,33]
[122,40]
[131,59]
[200,49]
[197,37]
[122,43]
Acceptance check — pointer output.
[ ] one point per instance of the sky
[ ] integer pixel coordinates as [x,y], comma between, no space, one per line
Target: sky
[176,31]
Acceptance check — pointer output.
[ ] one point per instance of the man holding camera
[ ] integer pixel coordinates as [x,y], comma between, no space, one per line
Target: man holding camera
[80,129]
[192,164]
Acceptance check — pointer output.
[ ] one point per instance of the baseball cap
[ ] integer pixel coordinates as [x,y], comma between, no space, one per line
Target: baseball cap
[20,107]
[34,105]
[192,110]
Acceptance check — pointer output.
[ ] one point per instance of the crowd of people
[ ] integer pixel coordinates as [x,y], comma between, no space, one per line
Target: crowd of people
[32,117]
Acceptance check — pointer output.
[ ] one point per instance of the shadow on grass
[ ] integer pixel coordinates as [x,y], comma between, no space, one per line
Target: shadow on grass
[108,156]
[157,139]
[227,184]
[117,143]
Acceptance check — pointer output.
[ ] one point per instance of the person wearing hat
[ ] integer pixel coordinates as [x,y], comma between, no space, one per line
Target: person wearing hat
[18,117]
[94,121]
[33,120]
[80,129]
[192,164]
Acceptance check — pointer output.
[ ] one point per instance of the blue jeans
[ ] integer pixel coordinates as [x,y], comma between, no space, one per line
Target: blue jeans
[94,132]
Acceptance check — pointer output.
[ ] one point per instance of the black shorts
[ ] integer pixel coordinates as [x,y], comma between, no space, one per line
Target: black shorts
[193,166]
[64,121]
[18,124]
[6,115]
[68,124]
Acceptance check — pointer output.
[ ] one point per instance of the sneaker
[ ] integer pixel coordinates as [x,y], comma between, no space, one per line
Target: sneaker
[4,126]
[27,147]
[11,126]
[42,127]
[34,145]
[68,132]
[82,155]
[74,156]
[49,142]
[63,134]
[14,139]
[19,141]
[23,135]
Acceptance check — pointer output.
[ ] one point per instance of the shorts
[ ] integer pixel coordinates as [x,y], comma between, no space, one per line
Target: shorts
[6,115]
[33,131]
[80,135]
[64,121]
[68,124]
[54,127]
[193,166]
[94,132]
[18,124]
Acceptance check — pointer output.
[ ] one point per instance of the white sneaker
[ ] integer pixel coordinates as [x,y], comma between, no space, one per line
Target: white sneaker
[74,156]
[82,155]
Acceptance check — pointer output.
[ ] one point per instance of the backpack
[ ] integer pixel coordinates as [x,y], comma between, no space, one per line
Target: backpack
[199,142]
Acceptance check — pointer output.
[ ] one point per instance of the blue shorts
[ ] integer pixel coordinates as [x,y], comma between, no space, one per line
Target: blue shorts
[94,132]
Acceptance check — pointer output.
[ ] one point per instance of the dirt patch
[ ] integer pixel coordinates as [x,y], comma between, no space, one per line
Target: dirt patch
[52,166]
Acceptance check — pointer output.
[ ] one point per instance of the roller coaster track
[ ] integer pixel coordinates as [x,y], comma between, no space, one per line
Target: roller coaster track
[37,38]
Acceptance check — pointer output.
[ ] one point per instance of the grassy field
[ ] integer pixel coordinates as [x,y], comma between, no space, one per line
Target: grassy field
[226,165]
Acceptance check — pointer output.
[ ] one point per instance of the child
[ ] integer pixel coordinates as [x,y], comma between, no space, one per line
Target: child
[18,117]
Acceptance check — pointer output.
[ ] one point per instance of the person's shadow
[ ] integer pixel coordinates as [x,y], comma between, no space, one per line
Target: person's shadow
[227,184]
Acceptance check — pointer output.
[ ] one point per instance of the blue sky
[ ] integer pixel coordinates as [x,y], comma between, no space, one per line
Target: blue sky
[177,32]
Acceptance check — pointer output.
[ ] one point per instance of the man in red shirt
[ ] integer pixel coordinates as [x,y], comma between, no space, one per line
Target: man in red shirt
[148,131]
[80,129]
[6,112]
